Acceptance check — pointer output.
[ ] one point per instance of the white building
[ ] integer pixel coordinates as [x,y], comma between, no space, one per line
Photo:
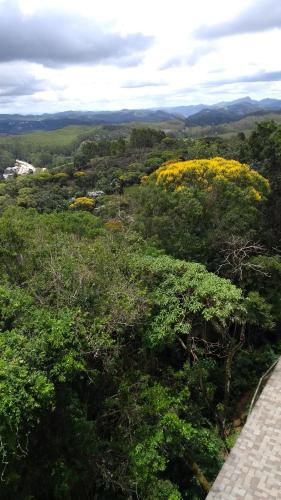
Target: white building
[20,168]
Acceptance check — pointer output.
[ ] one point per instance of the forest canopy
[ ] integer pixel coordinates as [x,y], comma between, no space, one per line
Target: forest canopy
[139,306]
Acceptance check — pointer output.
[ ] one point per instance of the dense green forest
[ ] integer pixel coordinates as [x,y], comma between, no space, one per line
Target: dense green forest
[140,303]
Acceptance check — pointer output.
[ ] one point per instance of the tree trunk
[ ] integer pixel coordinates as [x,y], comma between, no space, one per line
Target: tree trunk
[198,474]
[227,378]
[228,371]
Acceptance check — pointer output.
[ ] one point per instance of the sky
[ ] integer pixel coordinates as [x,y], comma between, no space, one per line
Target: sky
[58,55]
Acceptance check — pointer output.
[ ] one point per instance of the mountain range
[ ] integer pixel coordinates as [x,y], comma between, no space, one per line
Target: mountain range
[19,124]
[226,112]
[191,115]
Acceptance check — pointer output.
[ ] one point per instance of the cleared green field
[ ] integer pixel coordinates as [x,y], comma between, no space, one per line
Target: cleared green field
[50,139]
[65,139]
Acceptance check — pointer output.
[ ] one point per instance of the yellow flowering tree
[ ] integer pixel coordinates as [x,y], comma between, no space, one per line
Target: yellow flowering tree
[191,208]
[82,203]
[213,176]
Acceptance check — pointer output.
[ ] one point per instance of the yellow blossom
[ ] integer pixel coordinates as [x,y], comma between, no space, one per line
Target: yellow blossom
[208,173]
[83,203]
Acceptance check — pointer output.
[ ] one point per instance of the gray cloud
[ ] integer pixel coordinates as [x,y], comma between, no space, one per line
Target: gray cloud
[261,15]
[21,89]
[15,81]
[199,52]
[174,62]
[190,59]
[58,39]
[137,85]
[213,86]
[261,76]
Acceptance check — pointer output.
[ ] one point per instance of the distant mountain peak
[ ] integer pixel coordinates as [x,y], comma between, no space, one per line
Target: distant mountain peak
[227,112]
[192,114]
[246,99]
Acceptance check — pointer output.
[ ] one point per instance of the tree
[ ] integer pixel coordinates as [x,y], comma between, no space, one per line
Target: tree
[198,310]
[146,137]
[200,204]
[39,357]
[82,203]
[265,152]
[6,160]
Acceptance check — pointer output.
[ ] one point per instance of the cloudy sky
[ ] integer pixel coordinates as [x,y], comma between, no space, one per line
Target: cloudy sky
[112,54]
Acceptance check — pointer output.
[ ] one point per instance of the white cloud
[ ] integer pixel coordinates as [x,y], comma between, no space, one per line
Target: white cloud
[84,80]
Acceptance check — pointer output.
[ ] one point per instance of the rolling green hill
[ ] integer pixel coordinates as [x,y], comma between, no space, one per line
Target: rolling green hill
[55,138]
[245,124]
[64,138]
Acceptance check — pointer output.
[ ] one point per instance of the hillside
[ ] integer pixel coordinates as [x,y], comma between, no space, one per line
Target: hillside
[192,115]
[18,124]
[228,129]
[234,111]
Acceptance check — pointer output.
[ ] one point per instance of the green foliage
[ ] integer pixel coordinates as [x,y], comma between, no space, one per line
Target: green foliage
[265,151]
[58,141]
[201,204]
[265,285]
[38,351]
[91,149]
[6,160]
[259,311]
[124,360]
[187,294]
[163,489]
[146,137]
